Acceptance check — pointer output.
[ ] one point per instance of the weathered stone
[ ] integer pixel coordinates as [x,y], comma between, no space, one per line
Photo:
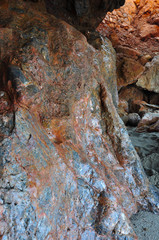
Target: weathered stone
[108,68]
[149,123]
[123,106]
[68,169]
[144,59]
[123,109]
[149,30]
[149,79]
[4,102]
[1,212]
[131,93]
[154,19]
[6,124]
[138,106]
[133,119]
[128,70]
[135,106]
[133,30]
[127,51]
[3,227]
[142,107]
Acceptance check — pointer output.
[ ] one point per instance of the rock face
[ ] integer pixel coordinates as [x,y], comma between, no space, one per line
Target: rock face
[68,169]
[128,70]
[134,32]
[133,27]
[150,79]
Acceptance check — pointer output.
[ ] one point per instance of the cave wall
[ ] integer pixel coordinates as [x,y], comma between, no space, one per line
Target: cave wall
[68,168]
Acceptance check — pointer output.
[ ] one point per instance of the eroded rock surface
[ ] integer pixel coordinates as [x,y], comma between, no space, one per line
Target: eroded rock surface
[68,169]
[134,28]
[150,78]
[149,122]
[134,32]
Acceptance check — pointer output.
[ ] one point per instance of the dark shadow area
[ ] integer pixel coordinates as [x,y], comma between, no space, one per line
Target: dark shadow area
[84,14]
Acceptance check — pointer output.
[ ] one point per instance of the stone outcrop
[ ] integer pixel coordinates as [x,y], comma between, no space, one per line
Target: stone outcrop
[134,26]
[149,123]
[134,31]
[150,78]
[128,70]
[68,169]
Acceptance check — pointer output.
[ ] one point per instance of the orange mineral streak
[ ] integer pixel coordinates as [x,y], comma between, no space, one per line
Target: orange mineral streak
[77,163]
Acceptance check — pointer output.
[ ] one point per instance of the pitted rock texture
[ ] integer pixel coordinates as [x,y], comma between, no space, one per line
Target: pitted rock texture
[68,169]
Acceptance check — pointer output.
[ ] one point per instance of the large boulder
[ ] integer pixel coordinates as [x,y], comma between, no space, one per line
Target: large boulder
[67,167]
[133,119]
[131,92]
[150,78]
[128,70]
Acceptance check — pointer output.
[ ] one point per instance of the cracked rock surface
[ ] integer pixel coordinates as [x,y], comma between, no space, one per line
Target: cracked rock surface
[68,168]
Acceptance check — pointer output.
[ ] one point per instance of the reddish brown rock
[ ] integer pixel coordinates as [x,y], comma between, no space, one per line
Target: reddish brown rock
[134,21]
[137,106]
[123,110]
[149,123]
[133,30]
[67,166]
[123,105]
[148,31]
[127,51]
[149,79]
[131,93]
[145,58]
[128,70]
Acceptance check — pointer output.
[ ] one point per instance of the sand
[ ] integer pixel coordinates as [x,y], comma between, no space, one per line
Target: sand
[146,224]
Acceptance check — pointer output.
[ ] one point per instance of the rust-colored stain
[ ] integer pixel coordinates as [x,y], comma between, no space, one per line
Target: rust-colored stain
[69,170]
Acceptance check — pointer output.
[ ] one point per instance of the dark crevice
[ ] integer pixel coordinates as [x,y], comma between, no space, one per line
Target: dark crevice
[9,96]
[101,208]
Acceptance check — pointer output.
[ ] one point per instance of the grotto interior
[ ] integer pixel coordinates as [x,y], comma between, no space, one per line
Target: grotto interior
[75,77]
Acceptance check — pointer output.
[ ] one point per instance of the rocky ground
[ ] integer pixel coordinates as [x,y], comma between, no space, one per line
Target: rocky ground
[146,224]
